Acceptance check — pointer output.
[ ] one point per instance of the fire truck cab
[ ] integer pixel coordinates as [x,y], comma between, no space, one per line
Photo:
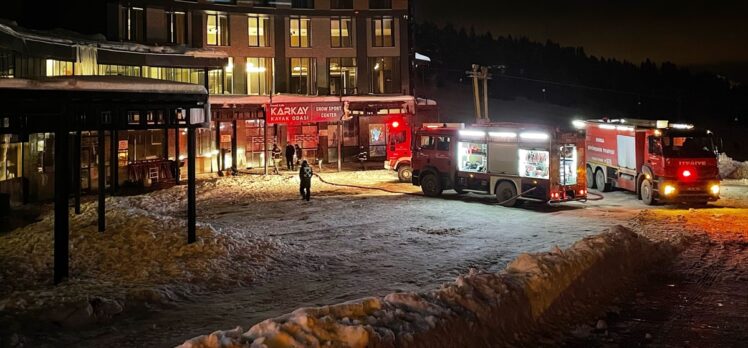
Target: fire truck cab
[399,136]
[511,161]
[661,162]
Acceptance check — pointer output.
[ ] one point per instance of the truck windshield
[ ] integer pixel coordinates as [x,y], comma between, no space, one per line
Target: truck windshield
[688,146]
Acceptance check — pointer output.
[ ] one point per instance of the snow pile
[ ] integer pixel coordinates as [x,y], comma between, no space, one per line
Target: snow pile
[535,294]
[731,169]
[142,257]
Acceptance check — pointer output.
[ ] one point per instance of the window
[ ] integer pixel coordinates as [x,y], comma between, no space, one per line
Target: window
[215,81]
[341,4]
[218,30]
[439,143]
[534,164]
[132,24]
[342,76]
[176,27]
[383,31]
[120,70]
[340,32]
[472,157]
[380,4]
[266,3]
[385,75]
[300,30]
[302,76]
[259,76]
[258,30]
[228,77]
[302,4]
[7,66]
[59,68]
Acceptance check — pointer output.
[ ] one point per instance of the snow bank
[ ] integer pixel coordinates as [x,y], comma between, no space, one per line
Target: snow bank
[731,169]
[535,292]
[143,257]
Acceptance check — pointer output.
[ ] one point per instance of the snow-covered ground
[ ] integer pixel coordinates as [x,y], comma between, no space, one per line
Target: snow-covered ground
[731,169]
[347,243]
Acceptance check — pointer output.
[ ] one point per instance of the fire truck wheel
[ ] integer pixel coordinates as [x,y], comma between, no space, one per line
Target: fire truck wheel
[405,173]
[647,193]
[431,186]
[590,178]
[506,194]
[600,181]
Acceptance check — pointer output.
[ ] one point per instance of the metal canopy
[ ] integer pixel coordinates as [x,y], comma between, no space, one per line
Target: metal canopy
[66,106]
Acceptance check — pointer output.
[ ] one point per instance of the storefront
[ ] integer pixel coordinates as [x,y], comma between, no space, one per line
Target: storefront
[316,124]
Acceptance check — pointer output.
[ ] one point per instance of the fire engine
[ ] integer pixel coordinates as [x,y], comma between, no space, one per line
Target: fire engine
[399,134]
[661,162]
[512,161]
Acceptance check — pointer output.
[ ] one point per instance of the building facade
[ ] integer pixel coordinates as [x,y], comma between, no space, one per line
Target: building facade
[344,63]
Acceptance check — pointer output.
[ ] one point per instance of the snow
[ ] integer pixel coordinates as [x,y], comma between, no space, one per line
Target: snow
[731,169]
[477,309]
[104,84]
[142,257]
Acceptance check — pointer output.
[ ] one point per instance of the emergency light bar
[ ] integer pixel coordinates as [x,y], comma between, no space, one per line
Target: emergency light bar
[534,136]
[607,126]
[503,134]
[579,124]
[472,133]
[681,126]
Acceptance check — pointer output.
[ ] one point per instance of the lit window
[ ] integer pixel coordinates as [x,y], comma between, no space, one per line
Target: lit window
[259,76]
[302,76]
[383,31]
[176,27]
[340,32]
[342,76]
[258,30]
[217,30]
[300,30]
[59,68]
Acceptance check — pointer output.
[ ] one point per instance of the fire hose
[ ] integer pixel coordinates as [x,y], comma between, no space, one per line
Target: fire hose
[417,194]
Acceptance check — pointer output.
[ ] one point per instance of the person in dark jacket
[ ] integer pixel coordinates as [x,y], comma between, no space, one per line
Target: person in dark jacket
[289,156]
[299,155]
[305,175]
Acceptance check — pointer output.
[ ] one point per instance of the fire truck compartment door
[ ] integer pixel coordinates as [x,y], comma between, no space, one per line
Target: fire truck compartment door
[626,151]
[503,158]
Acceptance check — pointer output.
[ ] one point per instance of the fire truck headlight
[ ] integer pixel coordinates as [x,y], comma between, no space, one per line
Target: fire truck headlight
[714,189]
[668,190]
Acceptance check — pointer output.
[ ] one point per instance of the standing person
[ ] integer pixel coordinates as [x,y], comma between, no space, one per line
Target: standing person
[289,156]
[276,158]
[299,155]
[305,175]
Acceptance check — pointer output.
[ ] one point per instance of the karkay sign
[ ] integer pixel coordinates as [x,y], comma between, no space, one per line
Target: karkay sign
[293,113]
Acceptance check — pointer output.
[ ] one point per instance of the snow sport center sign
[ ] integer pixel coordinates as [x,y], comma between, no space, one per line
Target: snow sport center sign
[297,113]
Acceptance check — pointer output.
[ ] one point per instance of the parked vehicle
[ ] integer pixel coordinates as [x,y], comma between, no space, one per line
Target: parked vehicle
[512,161]
[661,162]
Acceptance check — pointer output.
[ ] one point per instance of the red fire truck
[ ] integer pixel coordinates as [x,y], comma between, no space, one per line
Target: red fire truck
[661,162]
[511,161]
[399,134]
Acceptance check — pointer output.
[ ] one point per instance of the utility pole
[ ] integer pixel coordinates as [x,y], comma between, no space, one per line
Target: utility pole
[484,75]
[476,93]
[480,73]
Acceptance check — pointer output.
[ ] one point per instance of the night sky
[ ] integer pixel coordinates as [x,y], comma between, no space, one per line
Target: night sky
[685,32]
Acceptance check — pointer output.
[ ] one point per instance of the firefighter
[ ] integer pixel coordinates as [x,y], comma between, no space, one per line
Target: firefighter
[305,175]
[276,158]
[299,155]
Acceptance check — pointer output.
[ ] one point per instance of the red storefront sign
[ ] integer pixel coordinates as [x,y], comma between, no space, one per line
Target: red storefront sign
[297,113]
